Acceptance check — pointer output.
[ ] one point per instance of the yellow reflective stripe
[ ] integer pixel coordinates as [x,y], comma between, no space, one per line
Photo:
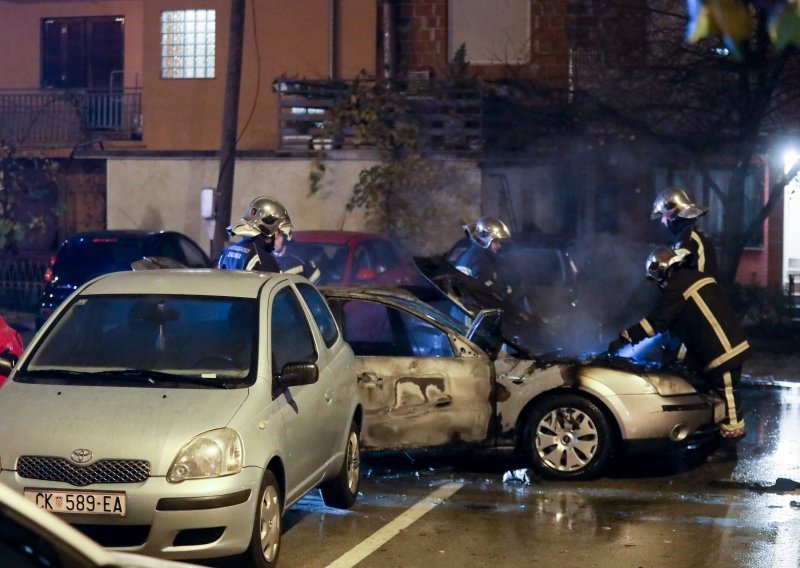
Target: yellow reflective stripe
[734,425]
[293,270]
[252,262]
[739,349]
[682,352]
[730,403]
[692,290]
[648,329]
[626,336]
[488,283]
[701,252]
[713,322]
[315,276]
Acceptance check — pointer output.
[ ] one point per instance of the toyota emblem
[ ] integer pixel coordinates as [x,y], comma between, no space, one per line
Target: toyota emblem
[81,455]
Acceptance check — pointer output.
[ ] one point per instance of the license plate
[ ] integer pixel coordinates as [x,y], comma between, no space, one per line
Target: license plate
[80,502]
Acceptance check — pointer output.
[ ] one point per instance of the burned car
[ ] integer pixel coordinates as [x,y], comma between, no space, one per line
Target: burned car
[429,380]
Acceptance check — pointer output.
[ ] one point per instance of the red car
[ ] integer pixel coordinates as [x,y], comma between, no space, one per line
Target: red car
[10,342]
[347,258]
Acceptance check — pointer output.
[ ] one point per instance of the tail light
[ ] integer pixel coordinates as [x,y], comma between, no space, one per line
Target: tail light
[48,274]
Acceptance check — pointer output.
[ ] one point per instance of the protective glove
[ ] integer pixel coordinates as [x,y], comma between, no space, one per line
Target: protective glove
[617,344]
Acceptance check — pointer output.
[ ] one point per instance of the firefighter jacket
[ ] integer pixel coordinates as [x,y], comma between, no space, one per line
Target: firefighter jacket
[291,263]
[249,254]
[694,308]
[479,263]
[702,256]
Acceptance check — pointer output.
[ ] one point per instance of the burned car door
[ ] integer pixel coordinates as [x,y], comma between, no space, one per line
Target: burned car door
[416,389]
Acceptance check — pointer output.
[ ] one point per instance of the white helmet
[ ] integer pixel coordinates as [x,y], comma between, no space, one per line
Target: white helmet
[675,199]
[265,216]
[487,229]
[661,260]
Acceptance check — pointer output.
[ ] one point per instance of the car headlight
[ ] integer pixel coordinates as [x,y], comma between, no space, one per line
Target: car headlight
[212,454]
[670,385]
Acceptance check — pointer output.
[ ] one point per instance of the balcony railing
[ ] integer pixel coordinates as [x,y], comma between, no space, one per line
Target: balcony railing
[451,121]
[50,118]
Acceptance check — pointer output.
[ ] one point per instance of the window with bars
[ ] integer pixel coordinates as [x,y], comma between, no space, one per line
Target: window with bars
[188,44]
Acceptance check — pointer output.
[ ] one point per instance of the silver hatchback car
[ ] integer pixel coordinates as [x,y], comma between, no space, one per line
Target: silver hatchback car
[177,413]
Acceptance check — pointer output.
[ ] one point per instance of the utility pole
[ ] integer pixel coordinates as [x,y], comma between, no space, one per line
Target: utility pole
[223,196]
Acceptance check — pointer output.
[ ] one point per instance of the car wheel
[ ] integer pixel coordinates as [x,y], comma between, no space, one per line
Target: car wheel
[342,490]
[265,542]
[568,437]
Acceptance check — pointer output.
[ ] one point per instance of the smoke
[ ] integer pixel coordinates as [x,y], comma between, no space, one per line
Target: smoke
[608,293]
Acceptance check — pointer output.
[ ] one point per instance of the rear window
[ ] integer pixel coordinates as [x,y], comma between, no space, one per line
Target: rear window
[86,258]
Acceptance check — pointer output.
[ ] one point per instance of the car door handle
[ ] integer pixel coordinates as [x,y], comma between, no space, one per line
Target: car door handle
[329,396]
[443,401]
[370,380]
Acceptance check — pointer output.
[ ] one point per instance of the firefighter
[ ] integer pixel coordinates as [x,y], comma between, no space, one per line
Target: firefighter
[264,219]
[679,215]
[693,307]
[290,262]
[487,237]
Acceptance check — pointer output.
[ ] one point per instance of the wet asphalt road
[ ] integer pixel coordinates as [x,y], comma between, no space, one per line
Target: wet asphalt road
[658,511]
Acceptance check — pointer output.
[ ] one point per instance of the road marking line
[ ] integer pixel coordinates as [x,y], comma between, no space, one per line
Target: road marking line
[389,531]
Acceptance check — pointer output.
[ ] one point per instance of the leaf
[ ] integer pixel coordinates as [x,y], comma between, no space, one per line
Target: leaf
[785,26]
[728,18]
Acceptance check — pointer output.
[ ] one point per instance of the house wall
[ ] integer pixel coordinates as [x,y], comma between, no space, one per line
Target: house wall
[164,193]
[281,38]
[20,28]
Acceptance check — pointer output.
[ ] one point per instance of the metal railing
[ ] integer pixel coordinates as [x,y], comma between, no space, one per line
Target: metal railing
[452,120]
[56,118]
[22,280]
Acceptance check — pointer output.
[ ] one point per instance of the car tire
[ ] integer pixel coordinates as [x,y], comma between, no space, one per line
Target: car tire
[568,437]
[341,491]
[265,541]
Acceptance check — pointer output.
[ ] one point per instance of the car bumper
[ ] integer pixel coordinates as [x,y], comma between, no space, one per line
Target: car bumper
[178,519]
[652,420]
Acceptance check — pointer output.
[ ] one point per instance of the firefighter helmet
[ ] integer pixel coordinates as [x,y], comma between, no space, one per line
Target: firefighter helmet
[675,199]
[265,216]
[487,229]
[661,260]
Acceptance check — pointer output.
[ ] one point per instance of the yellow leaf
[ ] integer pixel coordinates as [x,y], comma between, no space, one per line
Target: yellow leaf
[732,18]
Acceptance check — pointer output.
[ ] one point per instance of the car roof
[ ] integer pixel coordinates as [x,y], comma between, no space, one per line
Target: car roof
[336,237]
[181,281]
[118,233]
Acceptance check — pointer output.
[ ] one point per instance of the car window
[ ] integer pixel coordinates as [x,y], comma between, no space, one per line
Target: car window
[168,245]
[361,259]
[322,314]
[189,335]
[331,260]
[83,259]
[384,256]
[292,341]
[374,329]
[195,258]
[22,547]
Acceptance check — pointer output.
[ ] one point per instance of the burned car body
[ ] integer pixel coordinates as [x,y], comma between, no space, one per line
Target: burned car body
[427,380]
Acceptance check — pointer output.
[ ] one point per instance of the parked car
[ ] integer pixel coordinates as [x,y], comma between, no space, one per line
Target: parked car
[30,537]
[10,343]
[428,380]
[356,258]
[178,413]
[86,255]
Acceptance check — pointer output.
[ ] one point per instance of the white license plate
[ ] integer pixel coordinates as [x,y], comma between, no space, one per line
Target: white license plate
[80,502]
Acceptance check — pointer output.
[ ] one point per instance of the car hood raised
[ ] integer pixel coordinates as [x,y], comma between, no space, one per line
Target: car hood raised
[112,422]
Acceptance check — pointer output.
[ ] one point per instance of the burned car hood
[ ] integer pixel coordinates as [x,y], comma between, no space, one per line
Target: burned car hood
[520,329]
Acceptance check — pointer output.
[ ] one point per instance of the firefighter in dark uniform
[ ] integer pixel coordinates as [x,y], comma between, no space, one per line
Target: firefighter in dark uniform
[264,219]
[679,215]
[290,262]
[487,236]
[694,308]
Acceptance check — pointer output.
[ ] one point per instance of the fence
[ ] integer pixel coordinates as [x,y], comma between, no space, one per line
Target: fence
[452,120]
[22,280]
[50,118]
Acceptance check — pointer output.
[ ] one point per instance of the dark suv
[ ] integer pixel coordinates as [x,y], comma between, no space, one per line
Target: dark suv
[87,255]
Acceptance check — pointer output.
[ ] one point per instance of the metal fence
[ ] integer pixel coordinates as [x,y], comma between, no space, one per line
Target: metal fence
[22,280]
[50,118]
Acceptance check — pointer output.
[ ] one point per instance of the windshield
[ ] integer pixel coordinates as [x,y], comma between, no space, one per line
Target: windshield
[330,258]
[152,337]
[81,260]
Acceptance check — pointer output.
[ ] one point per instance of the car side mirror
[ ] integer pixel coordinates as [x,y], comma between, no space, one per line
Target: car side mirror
[7,362]
[297,374]
[366,274]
